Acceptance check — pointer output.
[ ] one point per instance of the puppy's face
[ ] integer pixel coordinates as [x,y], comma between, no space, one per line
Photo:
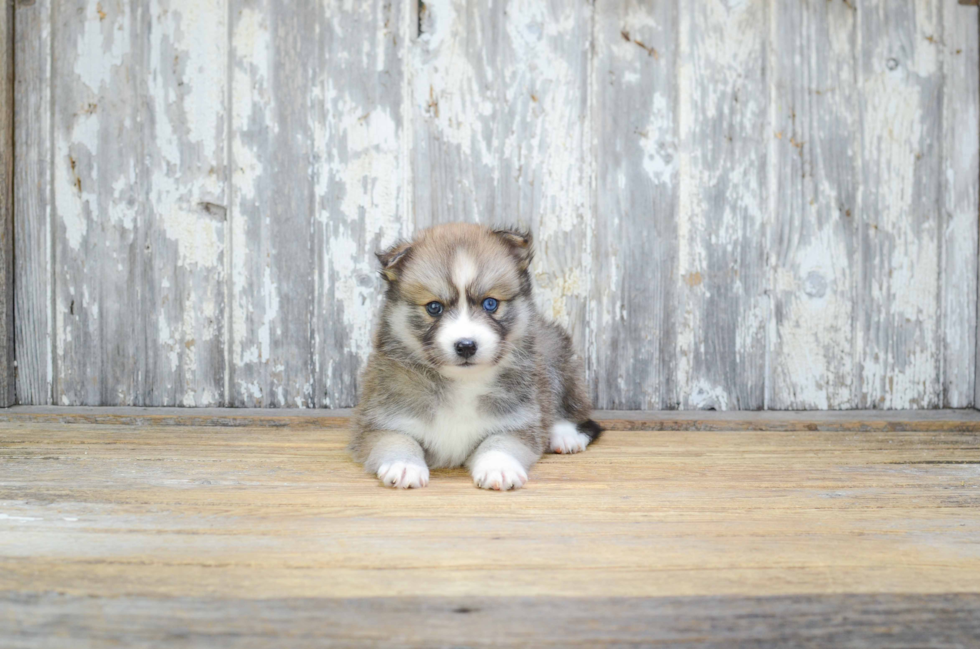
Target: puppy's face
[459,295]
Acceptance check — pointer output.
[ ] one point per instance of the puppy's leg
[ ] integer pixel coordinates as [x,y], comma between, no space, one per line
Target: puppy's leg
[396,459]
[501,462]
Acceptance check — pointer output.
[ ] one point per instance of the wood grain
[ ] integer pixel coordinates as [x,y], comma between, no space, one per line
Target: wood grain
[899,332]
[634,284]
[7,368]
[138,521]
[738,205]
[184,187]
[34,270]
[722,118]
[845,621]
[273,266]
[99,209]
[960,201]
[813,245]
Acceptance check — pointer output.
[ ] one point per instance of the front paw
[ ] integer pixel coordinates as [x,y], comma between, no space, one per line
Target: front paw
[403,475]
[498,470]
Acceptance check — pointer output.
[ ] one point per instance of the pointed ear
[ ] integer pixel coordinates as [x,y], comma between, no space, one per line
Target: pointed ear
[391,257]
[520,244]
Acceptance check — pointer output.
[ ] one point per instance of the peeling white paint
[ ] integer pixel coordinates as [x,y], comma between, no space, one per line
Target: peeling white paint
[270,296]
[706,396]
[504,108]
[660,161]
[184,178]
[550,132]
[961,203]
[200,241]
[166,337]
[76,200]
[204,56]
[447,88]
[251,44]
[104,44]
[900,359]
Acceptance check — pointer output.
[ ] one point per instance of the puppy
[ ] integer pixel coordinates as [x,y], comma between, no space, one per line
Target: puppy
[464,371]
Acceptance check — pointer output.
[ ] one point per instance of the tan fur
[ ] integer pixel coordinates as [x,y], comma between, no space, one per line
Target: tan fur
[497,410]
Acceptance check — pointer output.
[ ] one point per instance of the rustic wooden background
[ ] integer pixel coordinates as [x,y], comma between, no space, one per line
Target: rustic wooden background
[739,204]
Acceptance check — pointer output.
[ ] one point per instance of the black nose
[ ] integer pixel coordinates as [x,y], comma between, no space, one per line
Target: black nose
[465,348]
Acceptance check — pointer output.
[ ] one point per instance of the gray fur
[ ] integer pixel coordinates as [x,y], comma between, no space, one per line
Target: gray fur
[409,384]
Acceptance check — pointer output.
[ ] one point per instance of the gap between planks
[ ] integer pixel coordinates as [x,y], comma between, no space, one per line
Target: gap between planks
[961,420]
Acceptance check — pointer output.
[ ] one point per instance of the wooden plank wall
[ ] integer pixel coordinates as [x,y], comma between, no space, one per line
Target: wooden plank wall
[7,375]
[738,205]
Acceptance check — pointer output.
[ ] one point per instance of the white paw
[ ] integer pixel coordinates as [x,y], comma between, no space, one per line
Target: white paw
[498,470]
[403,475]
[565,438]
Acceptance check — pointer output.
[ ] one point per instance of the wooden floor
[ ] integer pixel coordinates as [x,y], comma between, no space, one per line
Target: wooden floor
[164,535]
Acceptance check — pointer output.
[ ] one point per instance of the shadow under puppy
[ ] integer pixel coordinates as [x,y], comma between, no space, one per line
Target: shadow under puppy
[464,370]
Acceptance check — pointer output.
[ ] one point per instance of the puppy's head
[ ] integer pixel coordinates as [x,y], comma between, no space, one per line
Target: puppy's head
[459,295]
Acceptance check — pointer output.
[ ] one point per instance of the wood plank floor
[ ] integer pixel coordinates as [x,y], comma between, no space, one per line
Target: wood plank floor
[251,536]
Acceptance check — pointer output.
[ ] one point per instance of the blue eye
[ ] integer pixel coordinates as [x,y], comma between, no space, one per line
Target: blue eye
[490,305]
[433,308]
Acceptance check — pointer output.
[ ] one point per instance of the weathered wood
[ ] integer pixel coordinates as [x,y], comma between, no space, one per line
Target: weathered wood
[455,92]
[100,324]
[305,418]
[54,620]
[965,420]
[225,515]
[813,246]
[632,350]
[362,161]
[722,119]
[184,188]
[7,368]
[502,133]
[960,203]
[34,265]
[899,333]
[737,204]
[273,255]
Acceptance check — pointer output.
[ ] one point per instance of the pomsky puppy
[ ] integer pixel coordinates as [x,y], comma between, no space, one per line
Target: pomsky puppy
[464,371]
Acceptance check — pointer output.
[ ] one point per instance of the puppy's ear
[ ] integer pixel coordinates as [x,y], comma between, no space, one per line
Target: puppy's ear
[391,258]
[520,244]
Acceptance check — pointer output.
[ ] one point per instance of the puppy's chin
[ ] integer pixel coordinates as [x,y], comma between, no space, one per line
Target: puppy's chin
[459,372]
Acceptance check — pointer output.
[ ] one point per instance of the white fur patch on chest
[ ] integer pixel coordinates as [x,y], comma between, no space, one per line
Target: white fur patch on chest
[458,425]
